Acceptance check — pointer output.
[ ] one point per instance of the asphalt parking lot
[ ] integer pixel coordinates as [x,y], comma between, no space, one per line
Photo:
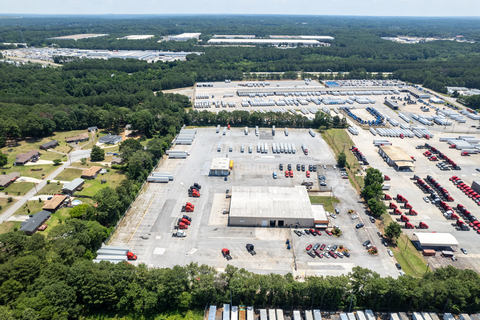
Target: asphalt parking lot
[402,183]
[148,227]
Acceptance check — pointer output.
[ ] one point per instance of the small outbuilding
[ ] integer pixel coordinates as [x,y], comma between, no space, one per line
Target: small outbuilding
[54,203]
[110,139]
[79,138]
[48,145]
[92,129]
[91,173]
[31,225]
[74,185]
[116,160]
[220,167]
[8,179]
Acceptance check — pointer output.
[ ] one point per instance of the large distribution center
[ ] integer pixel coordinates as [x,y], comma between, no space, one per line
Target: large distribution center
[184,36]
[274,207]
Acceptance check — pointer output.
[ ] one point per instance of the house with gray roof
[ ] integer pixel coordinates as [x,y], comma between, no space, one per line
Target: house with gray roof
[31,225]
[110,139]
[73,186]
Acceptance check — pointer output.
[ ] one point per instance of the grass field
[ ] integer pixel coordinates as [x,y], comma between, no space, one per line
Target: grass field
[326,201]
[51,188]
[34,206]
[55,219]
[48,155]
[407,255]
[26,171]
[8,226]
[69,174]
[339,141]
[5,204]
[19,188]
[91,187]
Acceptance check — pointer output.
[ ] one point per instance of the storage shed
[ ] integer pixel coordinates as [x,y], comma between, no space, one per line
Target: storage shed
[435,240]
[48,145]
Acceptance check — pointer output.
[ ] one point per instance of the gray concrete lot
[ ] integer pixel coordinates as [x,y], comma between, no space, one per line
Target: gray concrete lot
[149,224]
[401,183]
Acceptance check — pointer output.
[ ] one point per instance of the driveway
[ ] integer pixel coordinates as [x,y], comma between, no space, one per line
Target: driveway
[73,156]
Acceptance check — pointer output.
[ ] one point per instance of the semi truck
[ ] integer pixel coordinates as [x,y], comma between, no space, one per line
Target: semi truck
[304,148]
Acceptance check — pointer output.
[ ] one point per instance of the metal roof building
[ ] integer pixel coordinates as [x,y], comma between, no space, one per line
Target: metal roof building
[72,186]
[48,145]
[220,167]
[396,157]
[184,36]
[275,42]
[110,139]
[428,239]
[270,207]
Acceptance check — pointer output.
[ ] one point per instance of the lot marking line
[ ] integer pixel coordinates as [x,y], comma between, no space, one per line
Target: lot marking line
[159,251]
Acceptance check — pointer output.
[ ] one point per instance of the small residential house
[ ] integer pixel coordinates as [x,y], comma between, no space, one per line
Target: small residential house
[81,137]
[48,145]
[8,179]
[74,185]
[23,158]
[116,160]
[110,139]
[92,129]
[91,173]
[55,203]
[31,225]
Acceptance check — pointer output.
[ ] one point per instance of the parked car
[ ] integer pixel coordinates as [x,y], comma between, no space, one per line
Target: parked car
[280,167]
[328,232]
[298,166]
[390,253]
[399,267]
[303,167]
[372,219]
[309,247]
[322,247]
[337,211]
[463,250]
[360,225]
[366,243]
[346,254]
[308,174]
[274,175]
[426,199]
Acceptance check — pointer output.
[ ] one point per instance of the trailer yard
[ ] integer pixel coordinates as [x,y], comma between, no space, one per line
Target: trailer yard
[149,225]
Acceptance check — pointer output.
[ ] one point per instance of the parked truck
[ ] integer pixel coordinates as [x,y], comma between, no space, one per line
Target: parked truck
[304,148]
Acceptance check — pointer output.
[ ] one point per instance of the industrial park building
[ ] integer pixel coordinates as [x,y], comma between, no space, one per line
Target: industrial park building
[275,207]
[220,167]
[396,157]
[391,104]
[275,42]
[184,36]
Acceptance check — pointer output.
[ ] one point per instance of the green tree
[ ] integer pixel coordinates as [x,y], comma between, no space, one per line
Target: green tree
[83,211]
[108,205]
[393,230]
[373,176]
[97,154]
[377,207]
[57,161]
[342,160]
[3,159]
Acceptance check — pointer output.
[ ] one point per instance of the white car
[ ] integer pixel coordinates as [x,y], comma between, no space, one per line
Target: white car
[426,199]
[354,217]
[390,253]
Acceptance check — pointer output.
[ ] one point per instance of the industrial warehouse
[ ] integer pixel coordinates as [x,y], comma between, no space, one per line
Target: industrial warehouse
[396,157]
[274,207]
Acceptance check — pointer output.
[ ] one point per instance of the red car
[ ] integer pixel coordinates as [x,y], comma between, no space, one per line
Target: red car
[291,174]
[319,232]
[309,247]
[286,173]
[313,232]
[329,232]
[322,247]
[308,174]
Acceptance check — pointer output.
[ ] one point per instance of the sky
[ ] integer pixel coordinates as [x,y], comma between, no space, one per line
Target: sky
[427,8]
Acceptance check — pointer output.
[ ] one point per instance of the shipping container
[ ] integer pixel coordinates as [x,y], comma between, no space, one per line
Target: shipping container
[417,316]
[429,252]
[370,316]
[121,248]
[250,315]
[280,314]
[360,315]
[271,314]
[308,315]
[234,314]
[317,315]
[263,314]
[226,312]
[212,312]
[296,315]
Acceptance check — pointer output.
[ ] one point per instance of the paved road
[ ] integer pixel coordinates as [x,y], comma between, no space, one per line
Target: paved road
[74,156]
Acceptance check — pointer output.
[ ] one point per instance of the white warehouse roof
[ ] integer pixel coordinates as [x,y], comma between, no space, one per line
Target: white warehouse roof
[264,41]
[430,239]
[303,37]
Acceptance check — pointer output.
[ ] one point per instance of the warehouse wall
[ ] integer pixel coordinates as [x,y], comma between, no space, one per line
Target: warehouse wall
[260,221]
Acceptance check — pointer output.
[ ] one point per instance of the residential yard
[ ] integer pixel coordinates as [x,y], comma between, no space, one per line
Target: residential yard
[56,218]
[26,171]
[49,155]
[34,206]
[8,226]
[109,148]
[326,201]
[4,204]
[91,187]
[96,136]
[19,188]
[69,174]
[89,164]
[51,188]
[405,253]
